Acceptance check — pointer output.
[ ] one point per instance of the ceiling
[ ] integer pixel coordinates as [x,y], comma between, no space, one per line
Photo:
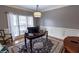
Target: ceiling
[41,8]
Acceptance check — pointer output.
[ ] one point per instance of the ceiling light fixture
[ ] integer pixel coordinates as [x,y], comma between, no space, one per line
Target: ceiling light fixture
[37,13]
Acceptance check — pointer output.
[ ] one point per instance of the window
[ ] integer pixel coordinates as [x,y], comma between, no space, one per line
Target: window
[22,24]
[18,23]
[14,24]
[30,21]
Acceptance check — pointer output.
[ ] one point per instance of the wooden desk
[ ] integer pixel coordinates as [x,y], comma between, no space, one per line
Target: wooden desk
[71,44]
[36,35]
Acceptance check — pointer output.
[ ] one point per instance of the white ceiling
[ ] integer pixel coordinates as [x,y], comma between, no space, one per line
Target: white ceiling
[41,8]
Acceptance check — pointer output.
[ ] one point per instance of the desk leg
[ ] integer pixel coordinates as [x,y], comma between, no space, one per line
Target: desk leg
[25,43]
[47,35]
[31,45]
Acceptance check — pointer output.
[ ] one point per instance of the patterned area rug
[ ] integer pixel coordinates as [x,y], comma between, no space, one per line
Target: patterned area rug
[51,45]
[41,46]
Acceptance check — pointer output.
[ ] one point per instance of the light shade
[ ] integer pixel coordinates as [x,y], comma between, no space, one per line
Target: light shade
[37,14]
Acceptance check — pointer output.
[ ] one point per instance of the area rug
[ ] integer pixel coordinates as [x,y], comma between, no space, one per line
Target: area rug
[51,45]
[37,43]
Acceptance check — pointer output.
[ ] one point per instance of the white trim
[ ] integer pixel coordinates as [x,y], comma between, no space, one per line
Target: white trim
[60,32]
[21,8]
[52,8]
[46,9]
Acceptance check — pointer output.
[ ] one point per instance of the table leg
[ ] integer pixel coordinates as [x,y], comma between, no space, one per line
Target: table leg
[47,35]
[31,45]
[25,43]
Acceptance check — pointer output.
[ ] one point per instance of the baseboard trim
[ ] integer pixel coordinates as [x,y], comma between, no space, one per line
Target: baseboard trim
[55,38]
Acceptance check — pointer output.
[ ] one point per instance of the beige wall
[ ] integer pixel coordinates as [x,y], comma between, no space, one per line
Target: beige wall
[3,16]
[67,17]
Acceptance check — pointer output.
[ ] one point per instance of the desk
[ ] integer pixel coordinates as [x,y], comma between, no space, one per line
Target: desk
[35,35]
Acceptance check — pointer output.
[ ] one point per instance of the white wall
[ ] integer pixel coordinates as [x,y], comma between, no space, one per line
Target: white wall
[61,32]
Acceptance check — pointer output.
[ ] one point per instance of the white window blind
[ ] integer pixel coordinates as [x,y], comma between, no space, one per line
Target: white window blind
[30,21]
[22,24]
[18,23]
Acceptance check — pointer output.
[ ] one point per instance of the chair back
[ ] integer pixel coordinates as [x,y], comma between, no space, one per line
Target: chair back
[6,31]
[2,34]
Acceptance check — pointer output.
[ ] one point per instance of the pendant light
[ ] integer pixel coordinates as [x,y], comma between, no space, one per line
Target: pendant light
[37,13]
